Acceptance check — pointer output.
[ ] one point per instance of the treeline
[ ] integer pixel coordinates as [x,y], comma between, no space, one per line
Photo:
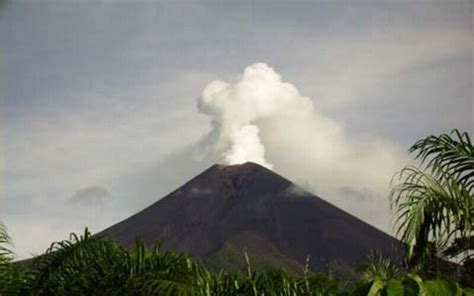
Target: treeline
[86,265]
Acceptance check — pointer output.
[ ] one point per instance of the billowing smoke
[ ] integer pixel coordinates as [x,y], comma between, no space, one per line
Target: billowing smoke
[263,119]
[237,109]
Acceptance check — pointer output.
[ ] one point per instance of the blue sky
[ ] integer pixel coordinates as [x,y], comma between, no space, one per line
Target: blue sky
[99,98]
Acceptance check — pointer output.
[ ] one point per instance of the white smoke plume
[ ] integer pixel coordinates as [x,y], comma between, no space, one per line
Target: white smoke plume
[236,110]
[263,119]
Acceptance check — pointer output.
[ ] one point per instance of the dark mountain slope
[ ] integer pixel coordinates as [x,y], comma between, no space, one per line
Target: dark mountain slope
[227,202]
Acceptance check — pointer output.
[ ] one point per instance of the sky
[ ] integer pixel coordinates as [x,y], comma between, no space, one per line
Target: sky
[107,106]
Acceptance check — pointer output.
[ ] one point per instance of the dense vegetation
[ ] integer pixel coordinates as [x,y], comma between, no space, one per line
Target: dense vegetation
[433,209]
[86,265]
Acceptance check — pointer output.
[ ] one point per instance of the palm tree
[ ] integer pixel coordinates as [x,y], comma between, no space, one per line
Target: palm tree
[434,203]
[5,257]
[13,281]
[87,265]
[380,267]
[5,252]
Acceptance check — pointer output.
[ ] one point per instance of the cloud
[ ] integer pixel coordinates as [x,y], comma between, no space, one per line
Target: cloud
[295,190]
[264,119]
[90,196]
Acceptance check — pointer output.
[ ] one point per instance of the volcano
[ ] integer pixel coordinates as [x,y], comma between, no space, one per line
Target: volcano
[227,210]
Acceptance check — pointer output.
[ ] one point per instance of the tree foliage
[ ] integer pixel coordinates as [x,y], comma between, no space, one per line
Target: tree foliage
[88,265]
[411,285]
[434,203]
[12,281]
[378,266]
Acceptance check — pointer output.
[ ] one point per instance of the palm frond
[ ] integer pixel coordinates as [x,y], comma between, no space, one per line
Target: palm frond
[452,153]
[379,267]
[430,208]
[434,204]
[6,254]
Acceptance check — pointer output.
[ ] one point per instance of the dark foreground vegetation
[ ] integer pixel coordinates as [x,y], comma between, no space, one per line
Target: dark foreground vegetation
[86,265]
[433,206]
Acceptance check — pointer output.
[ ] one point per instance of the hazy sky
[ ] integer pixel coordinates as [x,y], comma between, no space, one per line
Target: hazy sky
[99,116]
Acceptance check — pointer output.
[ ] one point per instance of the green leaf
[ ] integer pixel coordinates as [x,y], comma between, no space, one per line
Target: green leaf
[376,287]
[468,292]
[443,288]
[394,288]
[413,286]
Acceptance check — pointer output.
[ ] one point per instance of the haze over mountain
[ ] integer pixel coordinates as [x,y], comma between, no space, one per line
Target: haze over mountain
[227,210]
